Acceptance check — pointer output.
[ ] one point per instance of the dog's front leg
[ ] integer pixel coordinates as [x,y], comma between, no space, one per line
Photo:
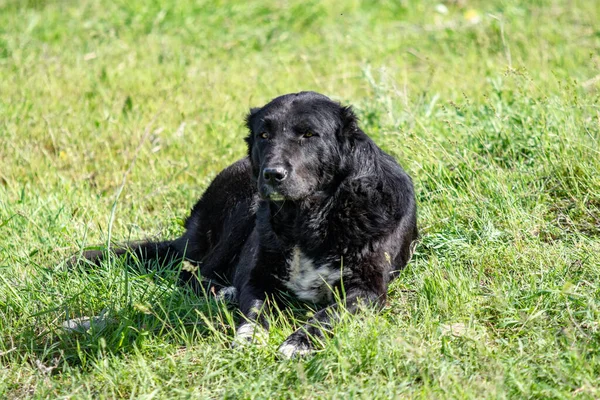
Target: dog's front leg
[301,342]
[254,326]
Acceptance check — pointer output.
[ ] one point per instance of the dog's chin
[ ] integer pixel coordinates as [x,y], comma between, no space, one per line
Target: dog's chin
[281,194]
[268,193]
[276,196]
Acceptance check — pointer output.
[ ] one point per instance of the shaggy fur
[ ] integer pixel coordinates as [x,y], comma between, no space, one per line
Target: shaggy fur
[316,208]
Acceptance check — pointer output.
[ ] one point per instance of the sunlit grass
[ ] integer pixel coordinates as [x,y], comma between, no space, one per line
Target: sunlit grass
[491,106]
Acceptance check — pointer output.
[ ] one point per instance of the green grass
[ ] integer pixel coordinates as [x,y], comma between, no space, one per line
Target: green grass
[491,107]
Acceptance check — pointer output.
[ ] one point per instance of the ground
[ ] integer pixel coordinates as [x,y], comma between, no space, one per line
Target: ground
[115,116]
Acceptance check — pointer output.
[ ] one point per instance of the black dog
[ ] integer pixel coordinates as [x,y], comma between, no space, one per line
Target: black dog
[315,209]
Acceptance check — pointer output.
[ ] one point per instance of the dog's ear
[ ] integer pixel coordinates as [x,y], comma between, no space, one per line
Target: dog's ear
[349,126]
[250,117]
[249,123]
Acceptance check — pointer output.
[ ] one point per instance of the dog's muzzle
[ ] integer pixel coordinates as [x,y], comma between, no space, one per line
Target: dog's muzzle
[274,175]
[272,178]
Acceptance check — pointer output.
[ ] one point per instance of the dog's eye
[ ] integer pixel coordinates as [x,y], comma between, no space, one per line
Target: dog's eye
[264,135]
[309,134]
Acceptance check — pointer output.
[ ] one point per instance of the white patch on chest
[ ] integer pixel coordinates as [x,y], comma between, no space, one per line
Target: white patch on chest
[311,282]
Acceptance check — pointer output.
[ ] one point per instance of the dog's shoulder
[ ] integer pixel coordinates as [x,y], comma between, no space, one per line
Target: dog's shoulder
[226,209]
[232,185]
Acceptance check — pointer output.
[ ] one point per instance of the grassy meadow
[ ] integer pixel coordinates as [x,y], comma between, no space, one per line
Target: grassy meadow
[116,115]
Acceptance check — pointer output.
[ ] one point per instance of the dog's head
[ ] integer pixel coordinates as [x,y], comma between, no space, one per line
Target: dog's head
[296,144]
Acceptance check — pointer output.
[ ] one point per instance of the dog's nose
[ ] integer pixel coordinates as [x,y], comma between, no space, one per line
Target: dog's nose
[274,174]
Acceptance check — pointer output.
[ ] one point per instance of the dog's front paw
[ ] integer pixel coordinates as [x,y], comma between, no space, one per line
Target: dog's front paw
[249,332]
[296,345]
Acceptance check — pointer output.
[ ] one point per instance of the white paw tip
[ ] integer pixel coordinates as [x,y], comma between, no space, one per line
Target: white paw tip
[248,333]
[290,350]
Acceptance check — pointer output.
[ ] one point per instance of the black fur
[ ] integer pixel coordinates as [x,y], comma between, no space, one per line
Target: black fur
[315,207]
